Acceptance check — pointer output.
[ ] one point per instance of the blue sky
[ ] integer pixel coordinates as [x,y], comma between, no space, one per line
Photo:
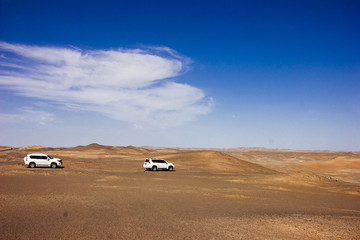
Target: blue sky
[276,74]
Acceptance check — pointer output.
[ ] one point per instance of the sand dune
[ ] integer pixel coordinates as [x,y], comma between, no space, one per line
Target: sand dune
[102,192]
[33,147]
[213,161]
[336,163]
[343,166]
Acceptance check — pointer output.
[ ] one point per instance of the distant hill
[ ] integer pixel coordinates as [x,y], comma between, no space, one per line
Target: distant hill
[133,149]
[98,147]
[214,160]
[6,148]
[33,147]
[93,146]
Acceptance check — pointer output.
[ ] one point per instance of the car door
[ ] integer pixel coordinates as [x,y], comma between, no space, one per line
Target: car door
[35,159]
[163,164]
[43,161]
[157,163]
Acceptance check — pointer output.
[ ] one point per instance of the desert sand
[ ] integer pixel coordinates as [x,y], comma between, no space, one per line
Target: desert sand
[103,192]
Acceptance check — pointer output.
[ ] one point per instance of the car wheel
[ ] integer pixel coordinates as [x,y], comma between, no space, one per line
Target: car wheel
[53,165]
[32,165]
[154,168]
[171,168]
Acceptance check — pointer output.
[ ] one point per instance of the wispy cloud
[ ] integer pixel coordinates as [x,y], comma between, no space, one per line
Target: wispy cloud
[29,116]
[132,85]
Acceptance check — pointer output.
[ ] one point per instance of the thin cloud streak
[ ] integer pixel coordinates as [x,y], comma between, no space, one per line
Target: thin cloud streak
[27,115]
[134,85]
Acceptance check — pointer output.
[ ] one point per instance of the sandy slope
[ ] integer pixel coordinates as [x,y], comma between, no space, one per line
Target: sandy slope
[102,192]
[338,165]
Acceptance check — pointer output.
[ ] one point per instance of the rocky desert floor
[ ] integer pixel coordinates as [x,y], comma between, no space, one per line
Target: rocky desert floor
[103,192]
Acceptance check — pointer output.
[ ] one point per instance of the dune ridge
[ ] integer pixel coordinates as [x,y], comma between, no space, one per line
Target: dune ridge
[103,192]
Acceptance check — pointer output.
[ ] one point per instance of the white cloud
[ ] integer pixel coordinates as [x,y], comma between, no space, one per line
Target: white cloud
[27,115]
[128,85]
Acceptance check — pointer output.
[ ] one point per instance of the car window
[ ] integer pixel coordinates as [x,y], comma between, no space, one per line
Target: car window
[162,161]
[50,157]
[43,157]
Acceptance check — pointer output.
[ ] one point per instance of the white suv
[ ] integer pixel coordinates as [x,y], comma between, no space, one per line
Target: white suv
[41,160]
[155,164]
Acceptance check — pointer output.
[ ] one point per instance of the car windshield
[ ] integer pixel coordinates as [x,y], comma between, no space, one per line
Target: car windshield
[50,157]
